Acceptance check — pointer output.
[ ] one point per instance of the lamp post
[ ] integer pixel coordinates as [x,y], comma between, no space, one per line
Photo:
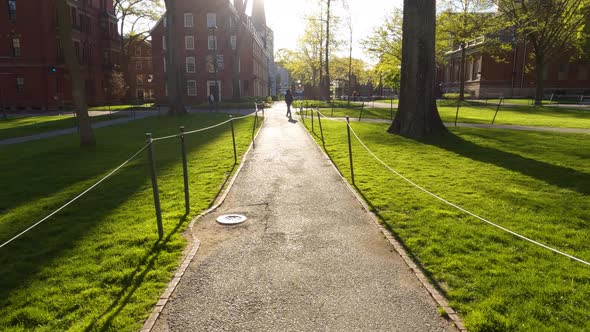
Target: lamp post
[213,32]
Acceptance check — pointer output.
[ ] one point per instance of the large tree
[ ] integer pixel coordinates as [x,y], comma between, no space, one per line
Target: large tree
[461,22]
[551,27]
[64,20]
[173,74]
[417,114]
[385,45]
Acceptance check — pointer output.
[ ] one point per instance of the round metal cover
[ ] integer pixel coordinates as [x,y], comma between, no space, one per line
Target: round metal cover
[231,219]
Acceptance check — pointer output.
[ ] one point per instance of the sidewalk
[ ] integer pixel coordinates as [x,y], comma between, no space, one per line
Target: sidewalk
[309,258]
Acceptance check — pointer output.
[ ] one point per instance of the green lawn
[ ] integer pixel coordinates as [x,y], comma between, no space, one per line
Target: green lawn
[536,184]
[26,126]
[122,107]
[98,265]
[478,113]
[519,115]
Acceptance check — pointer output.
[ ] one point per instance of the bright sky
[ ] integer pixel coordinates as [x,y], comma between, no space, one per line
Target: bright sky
[286,18]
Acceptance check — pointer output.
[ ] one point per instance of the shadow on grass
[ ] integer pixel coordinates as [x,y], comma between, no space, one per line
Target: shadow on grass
[560,176]
[23,259]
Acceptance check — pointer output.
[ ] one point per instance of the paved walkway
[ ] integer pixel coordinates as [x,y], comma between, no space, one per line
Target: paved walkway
[309,258]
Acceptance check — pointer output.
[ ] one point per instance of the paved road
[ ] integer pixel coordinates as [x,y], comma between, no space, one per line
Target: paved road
[309,257]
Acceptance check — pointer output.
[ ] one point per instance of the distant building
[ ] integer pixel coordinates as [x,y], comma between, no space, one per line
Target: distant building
[33,75]
[484,77]
[208,32]
[140,71]
[282,80]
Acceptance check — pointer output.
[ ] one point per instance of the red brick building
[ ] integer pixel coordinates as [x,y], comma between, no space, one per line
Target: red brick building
[140,71]
[485,77]
[207,33]
[32,70]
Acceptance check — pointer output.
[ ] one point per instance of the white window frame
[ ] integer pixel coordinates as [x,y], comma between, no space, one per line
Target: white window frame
[165,65]
[211,20]
[189,20]
[191,66]
[20,84]
[164,42]
[233,40]
[189,42]
[222,62]
[191,84]
[212,42]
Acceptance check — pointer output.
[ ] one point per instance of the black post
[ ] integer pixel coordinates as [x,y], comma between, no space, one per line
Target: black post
[457,113]
[155,185]
[332,114]
[349,148]
[233,138]
[391,105]
[311,110]
[497,109]
[187,204]
[254,128]
[362,109]
[321,130]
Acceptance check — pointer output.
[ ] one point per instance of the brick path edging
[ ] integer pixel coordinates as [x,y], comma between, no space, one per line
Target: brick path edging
[192,249]
[432,291]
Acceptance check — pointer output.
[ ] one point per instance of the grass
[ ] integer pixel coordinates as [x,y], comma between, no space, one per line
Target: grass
[26,126]
[536,184]
[98,265]
[482,114]
[122,107]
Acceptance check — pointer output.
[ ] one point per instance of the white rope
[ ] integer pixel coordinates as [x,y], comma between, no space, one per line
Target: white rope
[202,129]
[462,209]
[76,198]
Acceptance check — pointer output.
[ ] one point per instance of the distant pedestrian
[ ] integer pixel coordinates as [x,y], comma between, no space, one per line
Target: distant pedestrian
[289,101]
[211,102]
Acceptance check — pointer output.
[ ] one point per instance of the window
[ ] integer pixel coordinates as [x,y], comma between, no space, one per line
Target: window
[220,64]
[16,47]
[103,4]
[20,84]
[164,64]
[77,49]
[189,42]
[74,18]
[188,20]
[139,93]
[562,75]
[139,79]
[210,64]
[212,42]
[12,10]
[211,20]
[232,22]
[582,72]
[233,40]
[163,42]
[165,21]
[138,65]
[191,88]
[190,64]
[166,89]
[138,51]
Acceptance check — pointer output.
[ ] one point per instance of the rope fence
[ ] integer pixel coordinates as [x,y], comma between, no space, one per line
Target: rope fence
[151,159]
[355,135]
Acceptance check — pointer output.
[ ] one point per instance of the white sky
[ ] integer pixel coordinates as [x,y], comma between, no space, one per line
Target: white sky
[286,18]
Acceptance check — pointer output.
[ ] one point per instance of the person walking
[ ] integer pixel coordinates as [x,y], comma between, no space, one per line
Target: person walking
[288,101]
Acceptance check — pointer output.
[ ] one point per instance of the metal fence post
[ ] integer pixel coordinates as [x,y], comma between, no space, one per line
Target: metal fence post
[254,128]
[155,185]
[311,111]
[457,113]
[187,204]
[362,109]
[321,131]
[233,138]
[497,109]
[350,149]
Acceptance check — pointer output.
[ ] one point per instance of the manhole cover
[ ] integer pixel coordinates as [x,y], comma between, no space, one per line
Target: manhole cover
[231,219]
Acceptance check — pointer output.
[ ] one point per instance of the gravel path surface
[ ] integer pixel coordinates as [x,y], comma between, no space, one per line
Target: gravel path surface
[309,258]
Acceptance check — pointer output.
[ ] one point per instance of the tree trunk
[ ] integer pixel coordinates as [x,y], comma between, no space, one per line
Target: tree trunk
[78,85]
[417,115]
[173,74]
[327,62]
[462,74]
[539,69]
